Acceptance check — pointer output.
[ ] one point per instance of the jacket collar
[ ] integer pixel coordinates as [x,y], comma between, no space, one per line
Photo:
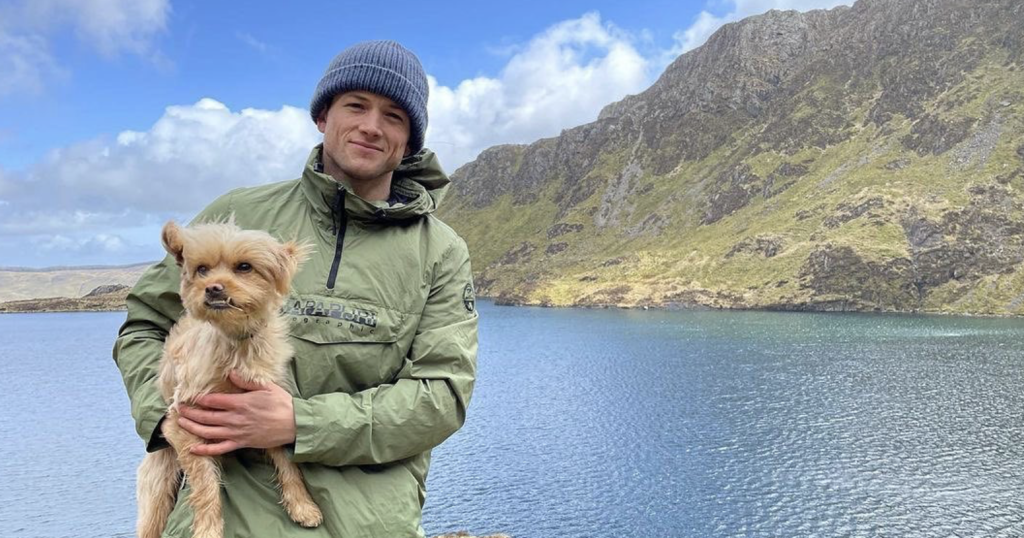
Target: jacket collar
[419,183]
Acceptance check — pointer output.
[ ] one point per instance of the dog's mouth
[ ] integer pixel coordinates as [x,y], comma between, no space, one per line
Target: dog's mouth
[220,304]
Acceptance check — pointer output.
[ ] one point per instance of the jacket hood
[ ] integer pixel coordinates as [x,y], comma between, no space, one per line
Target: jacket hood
[418,184]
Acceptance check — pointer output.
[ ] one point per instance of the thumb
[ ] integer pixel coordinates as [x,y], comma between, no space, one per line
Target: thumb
[243,383]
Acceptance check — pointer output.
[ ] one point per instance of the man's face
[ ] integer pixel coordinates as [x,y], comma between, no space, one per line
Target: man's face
[365,136]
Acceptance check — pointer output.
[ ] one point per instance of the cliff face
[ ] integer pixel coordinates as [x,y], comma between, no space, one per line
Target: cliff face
[867,158]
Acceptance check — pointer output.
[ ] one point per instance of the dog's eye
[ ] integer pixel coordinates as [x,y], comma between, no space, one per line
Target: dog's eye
[202,270]
[243,268]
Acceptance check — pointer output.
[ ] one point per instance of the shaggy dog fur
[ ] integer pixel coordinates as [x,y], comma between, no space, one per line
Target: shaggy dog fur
[233,283]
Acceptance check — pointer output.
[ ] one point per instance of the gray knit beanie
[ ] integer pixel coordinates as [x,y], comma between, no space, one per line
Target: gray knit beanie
[382,67]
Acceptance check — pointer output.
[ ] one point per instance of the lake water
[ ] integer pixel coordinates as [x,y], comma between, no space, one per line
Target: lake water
[592,423]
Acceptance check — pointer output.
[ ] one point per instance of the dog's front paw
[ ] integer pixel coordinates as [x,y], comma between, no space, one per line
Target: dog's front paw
[306,514]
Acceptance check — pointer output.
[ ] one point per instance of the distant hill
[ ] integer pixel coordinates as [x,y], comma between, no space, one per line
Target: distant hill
[861,158]
[18,284]
[101,299]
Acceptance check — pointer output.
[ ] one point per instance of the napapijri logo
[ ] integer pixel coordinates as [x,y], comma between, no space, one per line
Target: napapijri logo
[468,298]
[338,311]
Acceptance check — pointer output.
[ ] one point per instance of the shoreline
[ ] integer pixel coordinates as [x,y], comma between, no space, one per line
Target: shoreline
[80,311]
[504,302]
[795,308]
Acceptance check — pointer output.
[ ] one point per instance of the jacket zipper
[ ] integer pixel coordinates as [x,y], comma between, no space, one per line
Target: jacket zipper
[339,230]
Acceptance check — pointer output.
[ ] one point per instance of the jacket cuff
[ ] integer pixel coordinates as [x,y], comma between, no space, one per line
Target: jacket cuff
[307,434]
[157,441]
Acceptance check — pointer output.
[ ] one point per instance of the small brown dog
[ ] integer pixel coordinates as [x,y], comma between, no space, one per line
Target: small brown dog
[233,283]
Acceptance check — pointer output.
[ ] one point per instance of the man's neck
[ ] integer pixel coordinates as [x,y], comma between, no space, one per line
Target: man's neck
[376,189]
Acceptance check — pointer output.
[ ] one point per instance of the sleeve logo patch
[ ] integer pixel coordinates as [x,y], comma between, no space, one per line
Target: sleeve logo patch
[468,299]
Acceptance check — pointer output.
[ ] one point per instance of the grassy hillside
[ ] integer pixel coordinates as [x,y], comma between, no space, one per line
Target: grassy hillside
[825,202]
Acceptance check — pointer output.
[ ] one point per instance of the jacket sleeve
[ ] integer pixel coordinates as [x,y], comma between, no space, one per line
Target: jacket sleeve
[154,305]
[424,406]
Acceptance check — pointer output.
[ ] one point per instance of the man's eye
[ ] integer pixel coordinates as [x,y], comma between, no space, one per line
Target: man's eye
[396,117]
[202,270]
[357,106]
[243,268]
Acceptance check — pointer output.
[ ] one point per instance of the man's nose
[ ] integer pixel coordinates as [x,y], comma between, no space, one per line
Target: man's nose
[371,124]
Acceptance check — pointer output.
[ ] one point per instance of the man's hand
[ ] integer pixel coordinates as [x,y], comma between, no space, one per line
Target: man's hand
[260,417]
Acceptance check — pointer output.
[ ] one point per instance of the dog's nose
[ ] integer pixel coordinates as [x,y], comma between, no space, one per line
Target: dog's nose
[214,290]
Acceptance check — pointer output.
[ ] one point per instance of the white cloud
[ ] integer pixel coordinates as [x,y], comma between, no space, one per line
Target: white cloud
[97,244]
[111,26]
[103,201]
[26,64]
[560,79]
[69,247]
[116,25]
[22,221]
[190,155]
[108,26]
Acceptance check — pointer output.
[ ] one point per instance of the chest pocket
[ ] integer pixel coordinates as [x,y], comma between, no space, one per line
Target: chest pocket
[342,345]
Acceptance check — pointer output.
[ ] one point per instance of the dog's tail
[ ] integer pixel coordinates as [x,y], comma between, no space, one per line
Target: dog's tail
[157,490]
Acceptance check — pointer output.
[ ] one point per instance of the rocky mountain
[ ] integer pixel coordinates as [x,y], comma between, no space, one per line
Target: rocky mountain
[861,158]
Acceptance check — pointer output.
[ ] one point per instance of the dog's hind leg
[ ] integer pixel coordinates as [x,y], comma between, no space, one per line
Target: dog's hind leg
[156,490]
[294,496]
[203,475]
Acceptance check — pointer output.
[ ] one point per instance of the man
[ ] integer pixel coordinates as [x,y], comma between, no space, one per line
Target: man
[382,317]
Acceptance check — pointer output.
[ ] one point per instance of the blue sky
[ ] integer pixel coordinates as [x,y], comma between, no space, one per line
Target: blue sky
[116,115]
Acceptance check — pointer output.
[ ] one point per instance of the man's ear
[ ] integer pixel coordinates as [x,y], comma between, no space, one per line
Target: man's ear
[173,241]
[289,258]
[321,119]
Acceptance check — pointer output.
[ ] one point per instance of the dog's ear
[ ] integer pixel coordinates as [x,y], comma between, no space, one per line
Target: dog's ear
[173,241]
[289,258]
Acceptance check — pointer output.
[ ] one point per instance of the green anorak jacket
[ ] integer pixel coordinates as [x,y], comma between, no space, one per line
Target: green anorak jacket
[384,327]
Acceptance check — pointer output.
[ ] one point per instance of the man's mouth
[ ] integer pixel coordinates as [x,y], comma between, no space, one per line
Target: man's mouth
[365,145]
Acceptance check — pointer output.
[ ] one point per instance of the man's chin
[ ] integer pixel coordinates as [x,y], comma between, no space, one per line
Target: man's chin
[369,173]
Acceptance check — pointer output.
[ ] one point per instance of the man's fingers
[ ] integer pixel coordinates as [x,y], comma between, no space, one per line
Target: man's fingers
[219,400]
[208,417]
[215,449]
[206,432]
